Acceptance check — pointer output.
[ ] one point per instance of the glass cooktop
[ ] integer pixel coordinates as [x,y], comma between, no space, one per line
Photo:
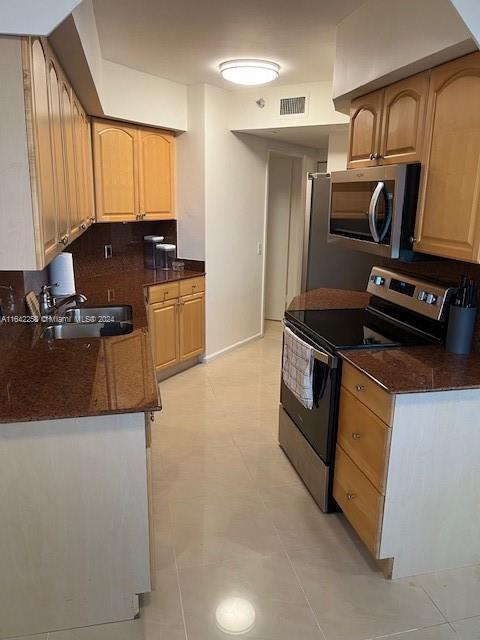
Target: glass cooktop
[353,329]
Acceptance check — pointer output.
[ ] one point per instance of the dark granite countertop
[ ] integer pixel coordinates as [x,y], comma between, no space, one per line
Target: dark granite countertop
[398,370]
[44,380]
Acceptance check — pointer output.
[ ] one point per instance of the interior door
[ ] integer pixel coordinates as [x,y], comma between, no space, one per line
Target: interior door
[116,172]
[365,122]
[192,326]
[156,163]
[403,120]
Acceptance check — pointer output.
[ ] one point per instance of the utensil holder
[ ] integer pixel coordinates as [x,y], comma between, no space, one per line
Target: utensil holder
[461,325]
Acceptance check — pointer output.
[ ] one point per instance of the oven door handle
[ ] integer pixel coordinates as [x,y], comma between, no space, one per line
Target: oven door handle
[320,355]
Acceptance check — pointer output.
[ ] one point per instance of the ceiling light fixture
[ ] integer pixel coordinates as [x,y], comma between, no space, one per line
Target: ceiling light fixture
[249,71]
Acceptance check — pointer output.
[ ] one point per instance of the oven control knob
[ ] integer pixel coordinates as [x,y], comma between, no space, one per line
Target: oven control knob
[378,280]
[431,299]
[422,296]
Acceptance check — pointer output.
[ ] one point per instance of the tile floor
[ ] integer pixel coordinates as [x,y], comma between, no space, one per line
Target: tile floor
[240,544]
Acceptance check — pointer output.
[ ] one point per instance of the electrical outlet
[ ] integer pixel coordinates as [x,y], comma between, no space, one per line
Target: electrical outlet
[259,248]
[108,252]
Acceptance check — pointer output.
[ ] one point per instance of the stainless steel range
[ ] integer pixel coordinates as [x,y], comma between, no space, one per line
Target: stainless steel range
[403,310]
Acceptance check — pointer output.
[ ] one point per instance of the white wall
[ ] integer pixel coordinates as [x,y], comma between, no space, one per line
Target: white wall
[84,20]
[31,17]
[469,11]
[191,178]
[385,40]
[245,114]
[280,176]
[337,151]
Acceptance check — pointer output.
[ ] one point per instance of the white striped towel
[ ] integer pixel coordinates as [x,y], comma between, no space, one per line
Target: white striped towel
[297,367]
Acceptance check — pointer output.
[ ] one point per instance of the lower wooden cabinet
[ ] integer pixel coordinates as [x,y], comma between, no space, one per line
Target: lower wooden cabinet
[177,325]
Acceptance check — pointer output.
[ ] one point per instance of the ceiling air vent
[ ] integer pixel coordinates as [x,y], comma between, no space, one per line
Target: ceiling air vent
[292,106]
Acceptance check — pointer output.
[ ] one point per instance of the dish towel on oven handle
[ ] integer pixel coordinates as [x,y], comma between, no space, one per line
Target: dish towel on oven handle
[297,367]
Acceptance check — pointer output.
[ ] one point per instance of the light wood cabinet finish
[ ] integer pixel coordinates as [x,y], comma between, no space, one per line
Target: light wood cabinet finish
[192,326]
[403,120]
[448,221]
[163,323]
[134,172]
[368,392]
[38,164]
[365,121]
[121,352]
[176,321]
[365,438]
[361,503]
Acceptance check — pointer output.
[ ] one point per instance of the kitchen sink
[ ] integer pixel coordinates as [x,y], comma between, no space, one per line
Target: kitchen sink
[91,322]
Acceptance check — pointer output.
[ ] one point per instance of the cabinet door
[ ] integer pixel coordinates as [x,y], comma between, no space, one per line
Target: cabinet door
[192,326]
[116,172]
[448,222]
[78,221]
[43,150]
[88,170]
[58,156]
[69,155]
[163,324]
[156,174]
[365,121]
[403,120]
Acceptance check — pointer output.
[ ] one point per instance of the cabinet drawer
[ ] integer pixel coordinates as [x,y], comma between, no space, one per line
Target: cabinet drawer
[162,292]
[192,285]
[365,438]
[361,503]
[367,391]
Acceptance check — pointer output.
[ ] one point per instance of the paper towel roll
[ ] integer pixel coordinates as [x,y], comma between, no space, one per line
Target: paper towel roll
[61,270]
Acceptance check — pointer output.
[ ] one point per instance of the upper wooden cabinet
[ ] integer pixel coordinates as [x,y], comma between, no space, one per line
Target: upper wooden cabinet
[387,126]
[448,220]
[365,119]
[134,172]
[42,174]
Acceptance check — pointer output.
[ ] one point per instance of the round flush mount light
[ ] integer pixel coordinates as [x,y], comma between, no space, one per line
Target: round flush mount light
[235,616]
[249,71]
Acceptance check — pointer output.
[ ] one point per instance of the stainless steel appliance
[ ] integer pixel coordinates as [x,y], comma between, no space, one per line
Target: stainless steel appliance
[403,310]
[374,209]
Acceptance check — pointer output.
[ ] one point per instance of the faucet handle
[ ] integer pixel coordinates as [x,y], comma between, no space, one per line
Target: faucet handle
[46,287]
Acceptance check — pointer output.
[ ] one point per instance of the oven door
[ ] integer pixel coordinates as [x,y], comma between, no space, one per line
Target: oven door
[366,208]
[318,425]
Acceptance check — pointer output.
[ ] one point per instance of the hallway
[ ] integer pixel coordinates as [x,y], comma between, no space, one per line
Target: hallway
[241,546]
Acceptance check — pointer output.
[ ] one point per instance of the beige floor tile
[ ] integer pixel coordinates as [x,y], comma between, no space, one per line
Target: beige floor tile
[438,632]
[456,592]
[163,604]
[266,583]
[468,629]
[268,465]
[353,601]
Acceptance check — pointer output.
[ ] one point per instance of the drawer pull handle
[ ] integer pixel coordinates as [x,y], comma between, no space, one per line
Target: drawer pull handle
[350,496]
[355,435]
[360,387]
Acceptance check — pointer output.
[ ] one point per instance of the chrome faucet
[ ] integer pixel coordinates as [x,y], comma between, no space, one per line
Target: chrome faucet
[50,306]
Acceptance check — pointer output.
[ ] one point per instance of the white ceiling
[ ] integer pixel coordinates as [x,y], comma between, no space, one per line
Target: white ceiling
[185,40]
[314,136]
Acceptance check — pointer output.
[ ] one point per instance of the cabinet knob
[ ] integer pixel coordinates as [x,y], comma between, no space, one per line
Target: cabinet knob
[63,240]
[371,156]
[412,239]
[360,387]
[83,225]
[355,435]
[350,496]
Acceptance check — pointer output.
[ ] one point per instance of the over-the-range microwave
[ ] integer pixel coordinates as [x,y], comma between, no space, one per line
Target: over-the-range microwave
[374,209]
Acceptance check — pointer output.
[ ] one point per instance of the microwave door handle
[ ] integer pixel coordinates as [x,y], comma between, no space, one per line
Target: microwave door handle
[372,211]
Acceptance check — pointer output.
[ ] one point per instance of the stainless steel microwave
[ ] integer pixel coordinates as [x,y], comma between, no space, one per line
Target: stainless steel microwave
[374,209]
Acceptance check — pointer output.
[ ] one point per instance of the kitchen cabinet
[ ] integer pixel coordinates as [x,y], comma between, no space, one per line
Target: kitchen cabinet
[134,172]
[176,313]
[39,167]
[387,126]
[448,219]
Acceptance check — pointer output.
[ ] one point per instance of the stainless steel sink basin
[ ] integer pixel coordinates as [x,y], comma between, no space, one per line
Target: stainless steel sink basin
[91,322]
[99,314]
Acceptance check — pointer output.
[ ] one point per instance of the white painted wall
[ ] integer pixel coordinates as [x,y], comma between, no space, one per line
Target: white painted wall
[337,151]
[385,40]
[191,178]
[84,19]
[280,175]
[31,17]
[469,11]
[245,114]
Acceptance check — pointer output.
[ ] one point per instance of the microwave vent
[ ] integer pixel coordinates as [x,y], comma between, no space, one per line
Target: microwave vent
[293,106]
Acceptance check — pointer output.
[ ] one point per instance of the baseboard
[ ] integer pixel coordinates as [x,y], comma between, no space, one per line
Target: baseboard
[222,352]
